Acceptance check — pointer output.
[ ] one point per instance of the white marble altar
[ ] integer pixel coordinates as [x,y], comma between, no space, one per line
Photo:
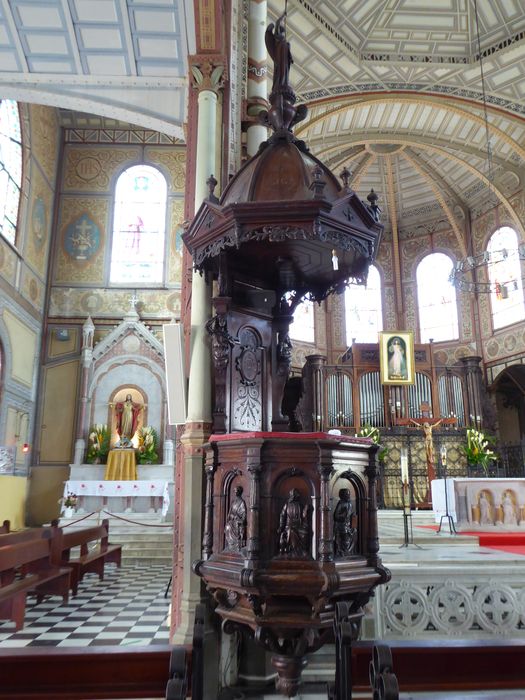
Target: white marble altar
[481,503]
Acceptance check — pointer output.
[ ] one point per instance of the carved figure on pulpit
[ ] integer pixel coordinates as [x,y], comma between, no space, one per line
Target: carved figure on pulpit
[509,511]
[235,529]
[344,534]
[293,526]
[127,414]
[485,510]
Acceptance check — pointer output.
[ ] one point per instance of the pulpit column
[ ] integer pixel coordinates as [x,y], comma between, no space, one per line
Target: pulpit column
[257,71]
[207,75]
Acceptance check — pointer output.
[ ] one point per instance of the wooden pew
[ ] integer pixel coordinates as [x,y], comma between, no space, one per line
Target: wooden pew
[88,560]
[5,527]
[31,533]
[32,562]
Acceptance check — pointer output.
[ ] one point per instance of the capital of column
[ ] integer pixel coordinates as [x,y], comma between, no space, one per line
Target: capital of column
[208,72]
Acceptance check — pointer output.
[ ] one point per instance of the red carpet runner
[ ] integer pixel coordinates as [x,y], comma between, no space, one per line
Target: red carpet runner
[513,542]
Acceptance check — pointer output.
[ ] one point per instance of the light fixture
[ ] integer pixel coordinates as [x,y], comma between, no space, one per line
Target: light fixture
[25,447]
[472,273]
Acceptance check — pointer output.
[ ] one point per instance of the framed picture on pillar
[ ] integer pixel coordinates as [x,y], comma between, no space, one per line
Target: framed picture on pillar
[396,357]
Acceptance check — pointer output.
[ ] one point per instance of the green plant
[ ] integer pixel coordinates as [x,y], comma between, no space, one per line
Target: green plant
[148,444]
[98,446]
[70,501]
[369,431]
[477,449]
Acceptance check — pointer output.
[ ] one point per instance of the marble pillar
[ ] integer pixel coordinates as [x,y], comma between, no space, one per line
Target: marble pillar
[257,70]
[187,593]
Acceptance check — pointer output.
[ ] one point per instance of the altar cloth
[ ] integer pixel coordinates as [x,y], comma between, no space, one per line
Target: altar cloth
[156,488]
[122,465]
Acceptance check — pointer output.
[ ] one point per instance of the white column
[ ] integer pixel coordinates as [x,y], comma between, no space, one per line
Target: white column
[199,383]
[256,89]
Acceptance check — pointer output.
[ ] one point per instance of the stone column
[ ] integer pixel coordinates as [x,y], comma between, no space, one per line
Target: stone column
[88,330]
[257,89]
[207,79]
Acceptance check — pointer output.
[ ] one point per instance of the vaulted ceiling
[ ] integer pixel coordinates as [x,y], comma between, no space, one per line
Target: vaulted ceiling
[395,93]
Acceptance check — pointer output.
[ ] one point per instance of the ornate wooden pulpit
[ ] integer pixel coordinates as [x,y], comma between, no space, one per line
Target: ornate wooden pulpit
[290,518]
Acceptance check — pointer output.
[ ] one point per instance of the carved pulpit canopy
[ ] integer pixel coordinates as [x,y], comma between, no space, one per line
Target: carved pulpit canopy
[285,204]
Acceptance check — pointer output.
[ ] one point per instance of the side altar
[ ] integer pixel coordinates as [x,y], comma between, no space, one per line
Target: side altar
[481,503]
[150,492]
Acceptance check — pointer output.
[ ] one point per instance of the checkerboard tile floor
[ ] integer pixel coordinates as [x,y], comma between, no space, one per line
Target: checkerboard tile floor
[127,608]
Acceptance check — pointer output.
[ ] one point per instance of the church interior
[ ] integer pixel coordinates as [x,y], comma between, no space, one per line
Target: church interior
[262,321]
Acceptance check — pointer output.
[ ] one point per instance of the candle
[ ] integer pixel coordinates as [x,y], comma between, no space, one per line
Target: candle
[404,465]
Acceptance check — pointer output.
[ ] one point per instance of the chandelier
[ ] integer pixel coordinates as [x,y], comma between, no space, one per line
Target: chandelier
[478,273]
[464,275]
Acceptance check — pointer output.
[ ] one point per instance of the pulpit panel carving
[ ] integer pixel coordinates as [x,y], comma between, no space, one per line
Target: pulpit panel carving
[247,377]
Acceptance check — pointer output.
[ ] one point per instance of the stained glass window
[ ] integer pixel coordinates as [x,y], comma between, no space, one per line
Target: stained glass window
[10,168]
[505,275]
[438,312]
[139,227]
[363,310]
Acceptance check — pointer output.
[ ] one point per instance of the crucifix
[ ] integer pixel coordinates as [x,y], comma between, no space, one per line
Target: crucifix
[428,425]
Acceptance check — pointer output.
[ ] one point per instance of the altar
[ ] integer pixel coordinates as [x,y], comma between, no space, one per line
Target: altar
[150,492]
[478,504]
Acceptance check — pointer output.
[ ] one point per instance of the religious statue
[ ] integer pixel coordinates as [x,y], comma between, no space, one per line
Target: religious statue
[429,444]
[235,530]
[293,526]
[397,361]
[344,534]
[127,414]
[221,342]
[485,510]
[509,512]
[279,50]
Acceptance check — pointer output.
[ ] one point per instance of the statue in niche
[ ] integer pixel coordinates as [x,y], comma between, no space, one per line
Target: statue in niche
[293,526]
[235,530]
[509,512]
[485,510]
[127,414]
[344,534]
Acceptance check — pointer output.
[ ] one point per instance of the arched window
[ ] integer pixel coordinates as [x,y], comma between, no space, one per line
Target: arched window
[363,310]
[505,274]
[139,227]
[10,168]
[303,328]
[438,312]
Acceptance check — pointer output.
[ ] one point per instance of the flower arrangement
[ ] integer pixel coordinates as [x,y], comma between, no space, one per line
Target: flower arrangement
[147,447]
[70,501]
[477,449]
[98,447]
[369,431]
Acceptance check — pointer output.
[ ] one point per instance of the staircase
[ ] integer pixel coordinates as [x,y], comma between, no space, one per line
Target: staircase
[144,542]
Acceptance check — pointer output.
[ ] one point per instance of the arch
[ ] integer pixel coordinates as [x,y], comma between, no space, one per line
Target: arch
[438,310]
[10,168]
[504,270]
[139,227]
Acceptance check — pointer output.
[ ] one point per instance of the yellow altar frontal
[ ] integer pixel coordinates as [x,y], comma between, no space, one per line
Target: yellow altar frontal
[121,466]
